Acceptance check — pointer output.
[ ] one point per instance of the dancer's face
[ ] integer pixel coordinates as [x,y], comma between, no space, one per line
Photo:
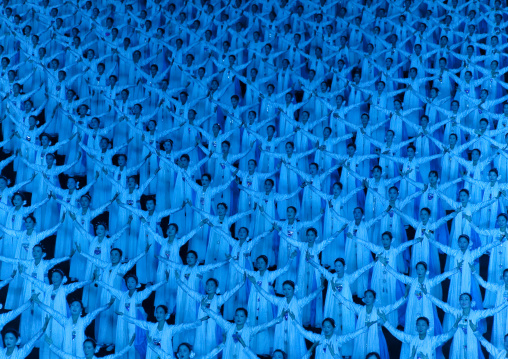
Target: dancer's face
[183,352]
[76,308]
[328,328]
[432,178]
[261,264]
[386,241]
[160,314]
[501,221]
[422,326]
[191,259]
[420,271]
[339,268]
[10,340]
[211,287]
[463,243]
[369,298]
[465,301]
[37,252]
[240,317]
[56,278]
[288,291]
[115,257]
[131,283]
[88,349]
[100,230]
[29,223]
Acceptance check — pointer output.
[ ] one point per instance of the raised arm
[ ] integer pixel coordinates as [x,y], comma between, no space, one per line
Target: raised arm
[91,316]
[313,337]
[113,291]
[224,324]
[27,348]
[495,352]
[190,292]
[444,248]
[269,297]
[306,300]
[394,306]
[439,278]
[75,286]
[277,273]
[148,290]
[261,327]
[492,311]
[403,337]
[399,276]
[446,307]
[7,317]
[226,296]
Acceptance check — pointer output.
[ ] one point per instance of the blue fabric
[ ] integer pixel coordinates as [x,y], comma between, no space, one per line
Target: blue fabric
[400,290]
[383,348]
[140,342]
[438,330]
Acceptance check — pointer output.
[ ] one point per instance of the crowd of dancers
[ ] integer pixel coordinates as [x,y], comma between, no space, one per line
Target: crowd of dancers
[258,169]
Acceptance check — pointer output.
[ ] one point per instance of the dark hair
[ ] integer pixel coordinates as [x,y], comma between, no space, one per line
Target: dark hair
[313,230]
[329,320]
[131,276]
[90,340]
[185,345]
[263,257]
[425,319]
[11,331]
[469,295]
[284,355]
[290,283]
[422,263]
[174,225]
[341,260]
[426,210]
[222,204]
[464,236]
[495,171]
[371,291]
[118,250]
[465,191]
[213,280]
[338,184]
[387,233]
[241,309]
[31,216]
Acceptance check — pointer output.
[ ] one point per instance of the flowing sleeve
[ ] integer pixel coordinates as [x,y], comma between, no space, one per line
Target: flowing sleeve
[192,293]
[313,337]
[139,323]
[495,352]
[60,353]
[438,279]
[147,291]
[27,348]
[7,317]
[75,286]
[403,337]
[394,306]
